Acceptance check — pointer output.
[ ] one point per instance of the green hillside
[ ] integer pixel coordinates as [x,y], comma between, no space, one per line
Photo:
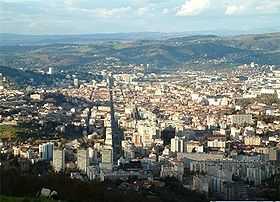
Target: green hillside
[162,53]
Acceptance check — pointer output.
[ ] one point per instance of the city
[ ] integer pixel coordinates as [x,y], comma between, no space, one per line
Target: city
[215,133]
[139,100]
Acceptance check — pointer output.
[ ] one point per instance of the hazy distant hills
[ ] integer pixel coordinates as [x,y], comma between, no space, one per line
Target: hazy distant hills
[18,39]
[160,50]
[167,54]
[267,42]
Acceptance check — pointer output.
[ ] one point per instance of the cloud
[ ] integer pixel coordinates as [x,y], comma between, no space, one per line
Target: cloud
[234,9]
[71,3]
[193,7]
[165,11]
[142,11]
[268,6]
[59,16]
[253,7]
[114,12]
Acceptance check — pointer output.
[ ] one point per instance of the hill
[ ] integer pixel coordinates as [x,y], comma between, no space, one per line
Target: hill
[21,77]
[165,52]
[18,39]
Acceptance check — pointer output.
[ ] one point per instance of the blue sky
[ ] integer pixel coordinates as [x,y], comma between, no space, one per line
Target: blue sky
[95,16]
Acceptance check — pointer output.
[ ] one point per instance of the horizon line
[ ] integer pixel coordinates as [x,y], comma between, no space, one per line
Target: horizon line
[195,32]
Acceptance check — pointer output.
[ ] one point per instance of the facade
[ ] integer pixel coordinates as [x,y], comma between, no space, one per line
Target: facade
[128,149]
[109,137]
[59,160]
[147,130]
[274,154]
[1,82]
[137,140]
[193,146]
[50,71]
[107,158]
[200,183]
[252,140]
[46,151]
[83,159]
[177,144]
[172,169]
[36,96]
[240,119]
[76,82]
[92,172]
[252,171]
[218,143]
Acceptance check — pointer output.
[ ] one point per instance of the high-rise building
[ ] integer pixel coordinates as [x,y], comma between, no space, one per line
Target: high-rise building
[1,81]
[107,158]
[107,155]
[58,159]
[128,149]
[274,154]
[147,130]
[137,140]
[46,151]
[92,154]
[76,82]
[109,137]
[177,144]
[83,159]
[50,71]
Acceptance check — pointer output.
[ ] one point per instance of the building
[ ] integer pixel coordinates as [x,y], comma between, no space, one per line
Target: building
[50,71]
[36,96]
[172,169]
[92,154]
[137,140]
[109,137]
[240,119]
[128,149]
[76,82]
[274,154]
[93,172]
[252,140]
[217,144]
[1,82]
[147,130]
[253,171]
[46,151]
[193,146]
[107,158]
[200,183]
[83,159]
[59,160]
[217,100]
[235,132]
[188,158]
[177,144]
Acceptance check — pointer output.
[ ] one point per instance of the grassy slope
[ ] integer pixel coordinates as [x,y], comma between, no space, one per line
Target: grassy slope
[7,131]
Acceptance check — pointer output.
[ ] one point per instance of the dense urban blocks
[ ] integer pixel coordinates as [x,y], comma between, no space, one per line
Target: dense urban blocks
[124,132]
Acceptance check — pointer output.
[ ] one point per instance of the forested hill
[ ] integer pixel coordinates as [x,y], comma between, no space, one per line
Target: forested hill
[164,52]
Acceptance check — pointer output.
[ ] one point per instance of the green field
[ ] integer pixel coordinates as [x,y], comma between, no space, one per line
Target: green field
[8,132]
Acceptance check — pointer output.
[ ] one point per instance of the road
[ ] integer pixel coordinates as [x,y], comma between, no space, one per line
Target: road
[116,132]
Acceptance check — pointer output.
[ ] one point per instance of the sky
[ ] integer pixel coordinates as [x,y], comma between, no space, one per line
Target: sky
[111,16]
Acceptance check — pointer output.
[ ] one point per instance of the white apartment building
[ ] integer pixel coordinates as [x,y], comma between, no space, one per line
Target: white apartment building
[58,160]
[83,159]
[177,144]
